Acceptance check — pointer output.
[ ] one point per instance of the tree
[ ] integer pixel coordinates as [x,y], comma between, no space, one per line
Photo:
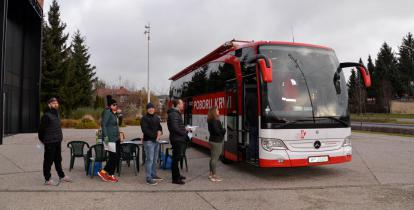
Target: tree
[352,92]
[406,65]
[387,73]
[361,91]
[55,62]
[99,83]
[371,91]
[99,102]
[83,72]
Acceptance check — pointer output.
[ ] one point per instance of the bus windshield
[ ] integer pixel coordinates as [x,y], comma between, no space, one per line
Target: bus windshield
[302,93]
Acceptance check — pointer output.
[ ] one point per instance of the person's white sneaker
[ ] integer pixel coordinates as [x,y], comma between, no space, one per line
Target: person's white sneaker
[51,182]
[65,179]
[216,179]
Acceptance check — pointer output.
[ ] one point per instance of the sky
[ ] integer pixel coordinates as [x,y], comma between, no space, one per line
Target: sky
[183,31]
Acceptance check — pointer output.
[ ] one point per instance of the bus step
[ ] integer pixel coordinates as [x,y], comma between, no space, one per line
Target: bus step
[254,162]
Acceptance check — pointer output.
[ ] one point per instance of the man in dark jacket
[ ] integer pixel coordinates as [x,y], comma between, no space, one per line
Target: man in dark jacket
[178,135]
[50,134]
[152,130]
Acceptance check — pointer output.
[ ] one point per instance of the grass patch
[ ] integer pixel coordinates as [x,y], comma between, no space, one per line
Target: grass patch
[383,133]
[383,115]
[384,118]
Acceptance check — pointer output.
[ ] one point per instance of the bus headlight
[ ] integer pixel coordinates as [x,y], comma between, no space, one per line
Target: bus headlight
[273,144]
[347,141]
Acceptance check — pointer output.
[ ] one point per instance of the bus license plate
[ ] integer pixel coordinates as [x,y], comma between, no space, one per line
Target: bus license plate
[320,159]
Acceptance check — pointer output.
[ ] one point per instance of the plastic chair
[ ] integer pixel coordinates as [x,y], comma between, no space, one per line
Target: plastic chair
[129,152]
[76,150]
[96,153]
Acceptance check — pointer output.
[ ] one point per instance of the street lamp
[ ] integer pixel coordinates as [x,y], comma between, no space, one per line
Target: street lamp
[147,32]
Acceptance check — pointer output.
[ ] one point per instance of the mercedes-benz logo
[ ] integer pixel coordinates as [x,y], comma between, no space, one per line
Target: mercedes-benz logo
[317,144]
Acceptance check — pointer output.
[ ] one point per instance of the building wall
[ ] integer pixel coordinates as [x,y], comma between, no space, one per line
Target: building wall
[20,65]
[402,107]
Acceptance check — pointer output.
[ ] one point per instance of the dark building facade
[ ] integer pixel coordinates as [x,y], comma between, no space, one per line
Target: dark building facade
[20,33]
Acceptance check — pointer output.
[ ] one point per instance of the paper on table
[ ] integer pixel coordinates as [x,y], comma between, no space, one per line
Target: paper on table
[192,128]
[111,147]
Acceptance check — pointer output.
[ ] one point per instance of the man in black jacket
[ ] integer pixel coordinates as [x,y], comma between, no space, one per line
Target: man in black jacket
[178,135]
[151,127]
[50,134]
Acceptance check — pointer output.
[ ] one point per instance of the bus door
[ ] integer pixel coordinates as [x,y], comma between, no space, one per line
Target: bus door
[188,109]
[231,122]
[250,119]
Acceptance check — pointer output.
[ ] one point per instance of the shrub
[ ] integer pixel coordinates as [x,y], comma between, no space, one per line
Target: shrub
[133,122]
[69,123]
[81,112]
[87,122]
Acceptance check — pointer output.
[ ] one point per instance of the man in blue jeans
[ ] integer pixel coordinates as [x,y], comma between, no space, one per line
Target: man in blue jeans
[151,127]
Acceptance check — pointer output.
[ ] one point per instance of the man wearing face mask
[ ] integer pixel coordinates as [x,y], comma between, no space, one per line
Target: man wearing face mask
[50,134]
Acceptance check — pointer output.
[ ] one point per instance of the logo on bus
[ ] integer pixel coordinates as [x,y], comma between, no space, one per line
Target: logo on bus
[317,144]
[302,134]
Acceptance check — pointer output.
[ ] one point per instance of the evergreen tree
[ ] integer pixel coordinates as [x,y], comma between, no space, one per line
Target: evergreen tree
[371,91]
[55,62]
[406,64]
[387,73]
[99,83]
[352,92]
[83,72]
[99,102]
[361,90]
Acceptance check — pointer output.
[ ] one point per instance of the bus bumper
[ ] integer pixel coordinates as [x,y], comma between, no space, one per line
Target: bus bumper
[293,159]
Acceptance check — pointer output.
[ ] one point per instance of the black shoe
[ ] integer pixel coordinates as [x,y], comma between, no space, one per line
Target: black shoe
[182,177]
[151,182]
[178,182]
[157,178]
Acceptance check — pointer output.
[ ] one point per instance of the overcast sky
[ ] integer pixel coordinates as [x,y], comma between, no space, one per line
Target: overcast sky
[182,31]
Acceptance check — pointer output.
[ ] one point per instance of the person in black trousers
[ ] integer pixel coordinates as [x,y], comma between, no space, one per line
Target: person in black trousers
[111,136]
[50,134]
[178,135]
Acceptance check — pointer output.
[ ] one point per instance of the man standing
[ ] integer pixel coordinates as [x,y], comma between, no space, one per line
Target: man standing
[178,135]
[151,127]
[50,134]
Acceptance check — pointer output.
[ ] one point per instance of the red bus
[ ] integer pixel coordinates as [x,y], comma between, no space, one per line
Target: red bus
[283,104]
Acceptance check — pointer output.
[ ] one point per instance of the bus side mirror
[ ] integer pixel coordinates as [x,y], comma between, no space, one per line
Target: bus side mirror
[265,65]
[365,75]
[266,70]
[364,71]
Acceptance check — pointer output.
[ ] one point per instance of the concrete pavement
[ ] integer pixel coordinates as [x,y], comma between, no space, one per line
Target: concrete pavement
[380,176]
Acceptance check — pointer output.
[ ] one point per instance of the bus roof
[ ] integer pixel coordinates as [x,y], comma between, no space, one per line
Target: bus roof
[232,46]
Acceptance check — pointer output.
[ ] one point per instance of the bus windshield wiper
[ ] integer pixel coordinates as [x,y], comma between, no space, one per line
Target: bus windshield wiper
[293,122]
[335,119]
[306,83]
